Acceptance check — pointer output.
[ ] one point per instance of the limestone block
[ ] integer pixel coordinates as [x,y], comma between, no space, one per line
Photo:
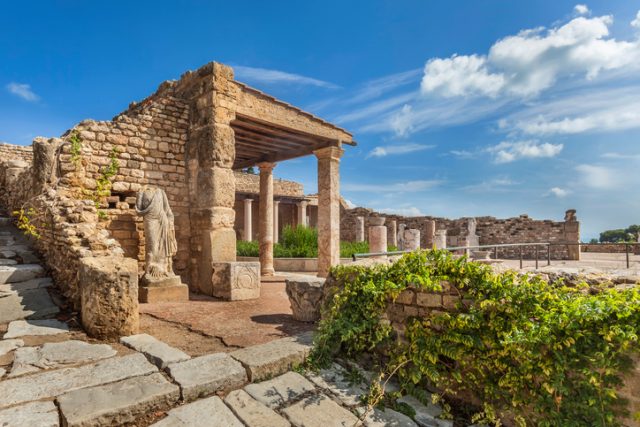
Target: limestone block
[25,304]
[109,296]
[21,328]
[278,391]
[305,294]
[411,239]
[253,413]
[426,415]
[235,281]
[216,187]
[212,409]
[205,375]
[175,293]
[7,345]
[159,353]
[41,414]
[20,273]
[319,411]
[386,418]
[118,403]
[335,380]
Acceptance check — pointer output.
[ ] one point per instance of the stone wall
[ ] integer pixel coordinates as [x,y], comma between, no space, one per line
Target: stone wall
[610,248]
[250,183]
[490,231]
[15,152]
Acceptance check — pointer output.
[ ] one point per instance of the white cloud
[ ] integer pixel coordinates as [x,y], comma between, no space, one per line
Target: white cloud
[266,76]
[462,154]
[597,177]
[387,150]
[581,9]
[636,22]
[532,61]
[499,184]
[375,108]
[559,192]
[22,90]
[377,87]
[408,211]
[621,156]
[510,151]
[399,187]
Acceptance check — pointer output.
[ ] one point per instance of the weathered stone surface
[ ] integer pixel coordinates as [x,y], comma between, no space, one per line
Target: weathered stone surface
[319,411]
[304,295]
[335,380]
[411,239]
[210,412]
[426,415]
[20,273]
[386,418]
[159,353]
[273,358]
[57,355]
[174,293]
[109,296]
[236,281]
[21,328]
[280,390]
[253,413]
[40,414]
[206,375]
[2,372]
[328,208]
[117,403]
[54,383]
[8,345]
[28,304]
[38,283]
[4,261]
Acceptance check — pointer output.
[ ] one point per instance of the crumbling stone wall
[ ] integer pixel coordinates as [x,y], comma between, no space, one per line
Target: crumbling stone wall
[490,230]
[15,152]
[250,183]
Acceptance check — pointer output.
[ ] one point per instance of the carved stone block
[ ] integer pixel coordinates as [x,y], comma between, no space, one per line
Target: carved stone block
[305,294]
[235,281]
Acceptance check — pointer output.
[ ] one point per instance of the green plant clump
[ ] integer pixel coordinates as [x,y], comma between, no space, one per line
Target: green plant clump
[76,147]
[25,223]
[103,183]
[537,353]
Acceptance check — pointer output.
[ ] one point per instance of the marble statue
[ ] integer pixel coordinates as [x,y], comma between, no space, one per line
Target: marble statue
[159,232]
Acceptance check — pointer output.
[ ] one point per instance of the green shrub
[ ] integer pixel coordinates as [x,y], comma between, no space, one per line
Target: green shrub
[244,248]
[542,354]
[297,242]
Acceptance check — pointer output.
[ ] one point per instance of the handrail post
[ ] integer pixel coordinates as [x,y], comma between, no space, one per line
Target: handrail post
[520,257]
[537,249]
[626,249]
[495,252]
[548,253]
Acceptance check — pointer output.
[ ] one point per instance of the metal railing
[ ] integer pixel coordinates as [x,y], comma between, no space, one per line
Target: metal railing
[520,247]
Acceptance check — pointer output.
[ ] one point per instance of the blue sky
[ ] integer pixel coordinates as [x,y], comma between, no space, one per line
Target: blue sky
[460,108]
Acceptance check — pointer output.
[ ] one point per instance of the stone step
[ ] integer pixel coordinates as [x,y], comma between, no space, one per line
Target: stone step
[20,272]
[205,375]
[426,415]
[49,384]
[278,391]
[319,411]
[386,418]
[58,355]
[158,353]
[38,283]
[251,412]
[9,345]
[273,358]
[23,328]
[335,380]
[40,414]
[4,261]
[28,304]
[210,412]
[5,221]
[117,403]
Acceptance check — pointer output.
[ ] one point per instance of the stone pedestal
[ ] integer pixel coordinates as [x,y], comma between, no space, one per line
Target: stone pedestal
[166,289]
[411,239]
[305,294]
[234,281]
[430,233]
[440,240]
[359,229]
[377,238]
[393,233]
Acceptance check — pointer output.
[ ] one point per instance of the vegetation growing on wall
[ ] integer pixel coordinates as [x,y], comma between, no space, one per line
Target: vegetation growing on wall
[25,221]
[538,353]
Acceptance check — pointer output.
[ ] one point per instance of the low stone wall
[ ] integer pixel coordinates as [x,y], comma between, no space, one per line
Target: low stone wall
[15,152]
[610,248]
[250,183]
[306,265]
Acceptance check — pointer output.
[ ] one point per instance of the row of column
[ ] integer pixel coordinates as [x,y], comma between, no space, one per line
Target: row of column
[247,234]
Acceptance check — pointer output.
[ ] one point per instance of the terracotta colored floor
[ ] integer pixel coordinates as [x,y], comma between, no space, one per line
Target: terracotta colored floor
[236,323]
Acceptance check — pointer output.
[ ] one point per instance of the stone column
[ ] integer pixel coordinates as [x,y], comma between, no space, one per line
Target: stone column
[248,232]
[377,236]
[328,208]
[276,221]
[430,233]
[400,237]
[302,213]
[266,218]
[440,240]
[411,239]
[359,229]
[393,233]
[572,234]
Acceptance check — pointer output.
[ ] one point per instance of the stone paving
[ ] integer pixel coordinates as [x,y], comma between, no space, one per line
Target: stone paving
[48,378]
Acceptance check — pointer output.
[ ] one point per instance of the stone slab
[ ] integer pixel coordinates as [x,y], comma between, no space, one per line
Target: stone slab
[2,372]
[319,411]
[22,328]
[205,375]
[117,403]
[4,261]
[426,415]
[58,355]
[9,345]
[37,283]
[176,293]
[50,384]
[40,414]
[159,353]
[276,392]
[20,273]
[334,380]
[210,412]
[7,254]
[29,304]
[273,358]
[386,418]
[251,412]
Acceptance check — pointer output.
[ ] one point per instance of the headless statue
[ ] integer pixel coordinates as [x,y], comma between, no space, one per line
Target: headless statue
[159,232]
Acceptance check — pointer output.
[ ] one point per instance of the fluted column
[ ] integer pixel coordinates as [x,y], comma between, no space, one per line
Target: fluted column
[328,208]
[266,218]
[302,213]
[248,231]
[276,224]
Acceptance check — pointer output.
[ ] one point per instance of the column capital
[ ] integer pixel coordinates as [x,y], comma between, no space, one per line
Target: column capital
[331,152]
[266,166]
[248,200]
[303,203]
[276,202]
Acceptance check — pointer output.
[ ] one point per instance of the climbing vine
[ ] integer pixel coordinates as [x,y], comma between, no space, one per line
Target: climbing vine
[103,183]
[76,147]
[25,223]
[537,353]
